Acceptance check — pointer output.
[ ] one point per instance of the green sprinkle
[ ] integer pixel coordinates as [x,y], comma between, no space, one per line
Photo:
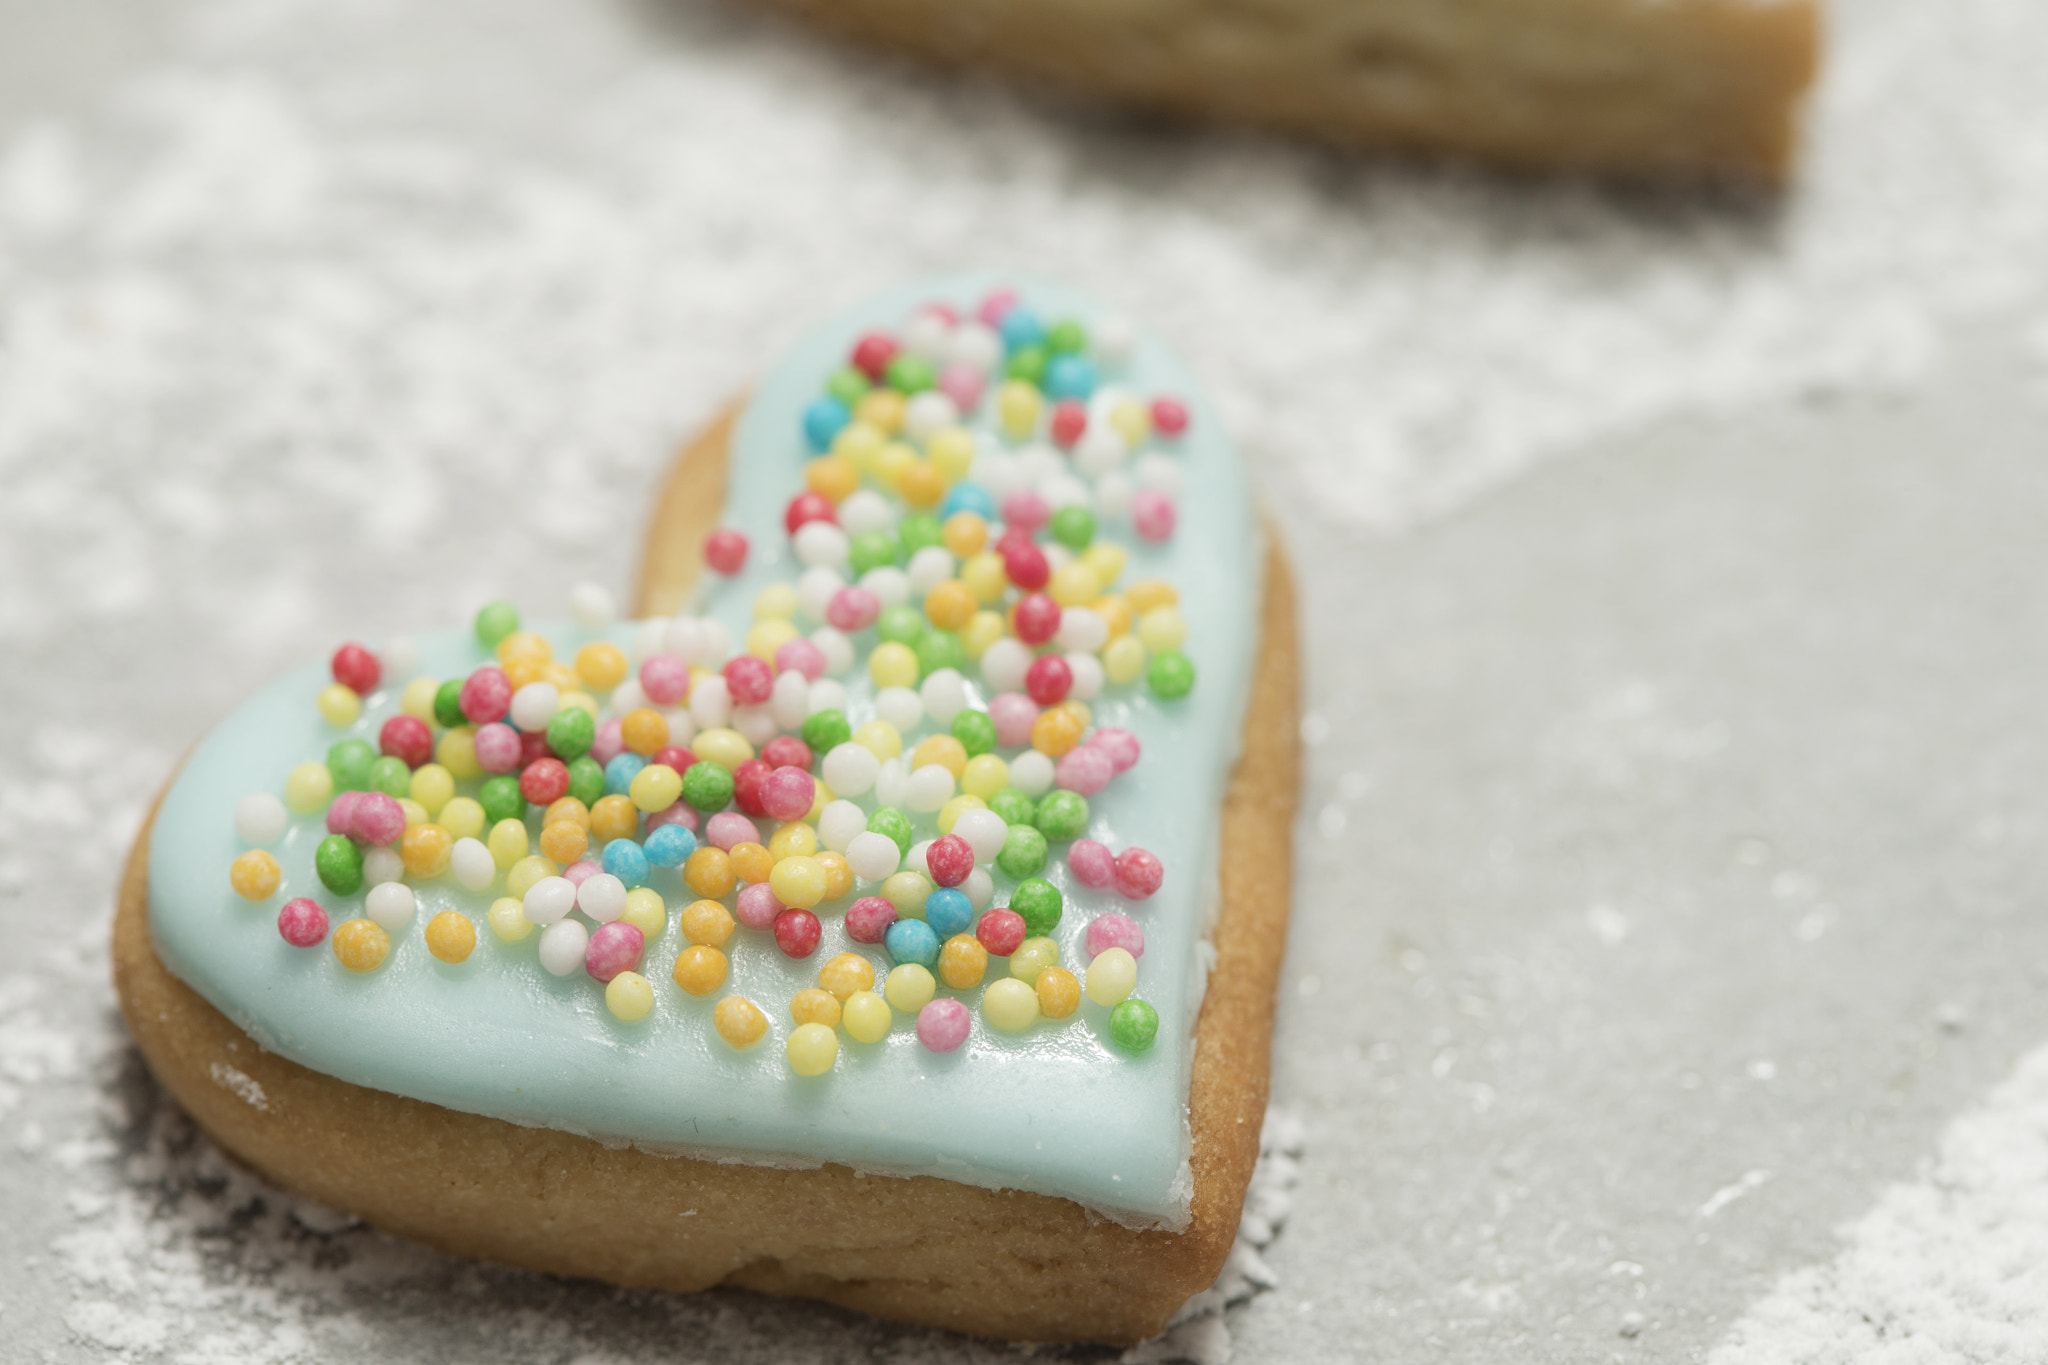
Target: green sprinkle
[920,531]
[825,731]
[1038,901]
[902,624]
[1027,365]
[350,761]
[1171,674]
[909,374]
[390,776]
[874,550]
[707,787]
[1133,1024]
[1023,853]
[1074,527]
[976,733]
[571,733]
[340,865]
[501,799]
[494,622]
[1062,815]
[940,649]
[448,703]
[1014,806]
[894,823]
[848,385]
[586,779]
[1067,337]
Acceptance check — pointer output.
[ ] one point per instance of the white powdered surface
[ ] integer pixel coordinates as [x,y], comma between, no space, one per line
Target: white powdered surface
[345,317]
[1948,1269]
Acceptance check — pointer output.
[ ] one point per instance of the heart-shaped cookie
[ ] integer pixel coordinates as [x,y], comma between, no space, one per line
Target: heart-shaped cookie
[563,937]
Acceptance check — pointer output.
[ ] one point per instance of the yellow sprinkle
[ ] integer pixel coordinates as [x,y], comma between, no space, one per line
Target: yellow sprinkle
[361,945]
[629,997]
[739,1021]
[451,937]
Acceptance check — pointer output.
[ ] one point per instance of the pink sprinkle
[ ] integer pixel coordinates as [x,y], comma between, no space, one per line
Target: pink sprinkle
[787,794]
[1025,511]
[581,871]
[1152,515]
[942,1024]
[678,814]
[1138,873]
[786,751]
[750,679]
[803,656]
[757,906]
[949,859]
[962,383]
[1091,863]
[379,819]
[725,551]
[1013,714]
[868,919]
[499,748]
[851,609]
[995,304]
[1069,420]
[341,812]
[1121,746]
[614,948]
[728,828]
[609,744]
[1083,769]
[302,922]
[408,738]
[1024,563]
[486,695]
[1115,931]
[1169,416]
[943,311]
[665,679]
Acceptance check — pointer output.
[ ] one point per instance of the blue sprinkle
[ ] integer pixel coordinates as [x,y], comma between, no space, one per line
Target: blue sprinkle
[624,860]
[620,772]
[949,912]
[670,846]
[823,420]
[968,497]
[1070,376]
[1020,328]
[912,940]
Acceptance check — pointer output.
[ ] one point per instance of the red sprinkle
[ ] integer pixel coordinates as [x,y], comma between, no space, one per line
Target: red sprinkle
[785,751]
[797,932]
[1026,565]
[787,794]
[533,747]
[746,785]
[950,859]
[725,551]
[1138,873]
[1048,680]
[674,756]
[1069,420]
[807,507]
[545,781]
[1038,618]
[357,669]
[868,919]
[407,738]
[1000,931]
[872,354]
[1169,416]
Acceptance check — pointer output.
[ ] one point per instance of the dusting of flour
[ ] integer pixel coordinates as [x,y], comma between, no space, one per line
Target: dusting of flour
[349,316]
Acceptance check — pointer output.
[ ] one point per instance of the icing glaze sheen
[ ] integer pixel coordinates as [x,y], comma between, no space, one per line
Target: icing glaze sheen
[1056,1109]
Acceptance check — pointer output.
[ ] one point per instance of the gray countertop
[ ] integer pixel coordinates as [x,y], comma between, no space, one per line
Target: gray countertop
[1672,848]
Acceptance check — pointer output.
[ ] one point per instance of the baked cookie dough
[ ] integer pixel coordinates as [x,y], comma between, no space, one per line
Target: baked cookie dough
[1634,87]
[977,1254]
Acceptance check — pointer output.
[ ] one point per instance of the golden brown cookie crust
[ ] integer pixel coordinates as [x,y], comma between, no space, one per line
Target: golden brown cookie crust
[1000,1263]
[1631,87]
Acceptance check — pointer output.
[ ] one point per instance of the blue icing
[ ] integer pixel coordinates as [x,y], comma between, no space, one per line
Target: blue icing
[1056,1109]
